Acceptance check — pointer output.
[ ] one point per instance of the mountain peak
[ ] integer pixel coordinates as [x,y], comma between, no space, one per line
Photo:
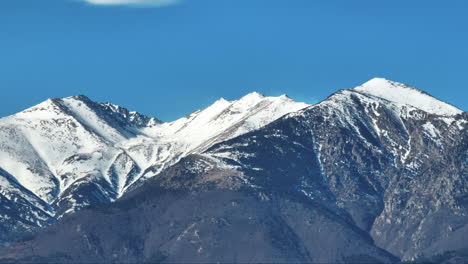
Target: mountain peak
[83,107]
[222,100]
[406,95]
[380,85]
[254,95]
[285,97]
[377,81]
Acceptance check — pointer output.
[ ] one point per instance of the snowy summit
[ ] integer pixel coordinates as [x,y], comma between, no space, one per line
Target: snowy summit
[406,95]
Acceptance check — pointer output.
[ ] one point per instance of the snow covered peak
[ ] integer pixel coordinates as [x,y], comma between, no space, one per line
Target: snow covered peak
[218,104]
[406,95]
[222,101]
[252,98]
[80,104]
[254,95]
[222,113]
[223,120]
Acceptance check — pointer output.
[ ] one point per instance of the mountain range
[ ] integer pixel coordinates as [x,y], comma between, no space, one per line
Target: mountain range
[65,154]
[376,173]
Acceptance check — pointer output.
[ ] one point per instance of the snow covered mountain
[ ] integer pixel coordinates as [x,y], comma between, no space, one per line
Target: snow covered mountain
[397,168]
[68,153]
[372,174]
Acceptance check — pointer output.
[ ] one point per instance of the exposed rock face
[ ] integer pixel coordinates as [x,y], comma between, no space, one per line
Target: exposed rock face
[359,177]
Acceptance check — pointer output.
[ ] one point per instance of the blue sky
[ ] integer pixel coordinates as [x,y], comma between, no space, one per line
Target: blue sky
[168,59]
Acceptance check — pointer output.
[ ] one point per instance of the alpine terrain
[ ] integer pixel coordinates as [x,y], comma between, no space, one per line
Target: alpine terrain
[373,174]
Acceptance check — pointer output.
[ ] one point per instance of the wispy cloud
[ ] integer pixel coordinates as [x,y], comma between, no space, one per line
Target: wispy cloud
[141,3]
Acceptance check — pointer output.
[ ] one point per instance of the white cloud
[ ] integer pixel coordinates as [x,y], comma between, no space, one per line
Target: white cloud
[133,2]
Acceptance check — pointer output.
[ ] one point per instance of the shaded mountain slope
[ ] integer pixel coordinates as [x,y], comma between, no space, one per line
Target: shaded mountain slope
[210,225]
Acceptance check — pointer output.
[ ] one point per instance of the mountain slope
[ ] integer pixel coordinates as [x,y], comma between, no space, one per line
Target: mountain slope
[214,225]
[70,153]
[20,209]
